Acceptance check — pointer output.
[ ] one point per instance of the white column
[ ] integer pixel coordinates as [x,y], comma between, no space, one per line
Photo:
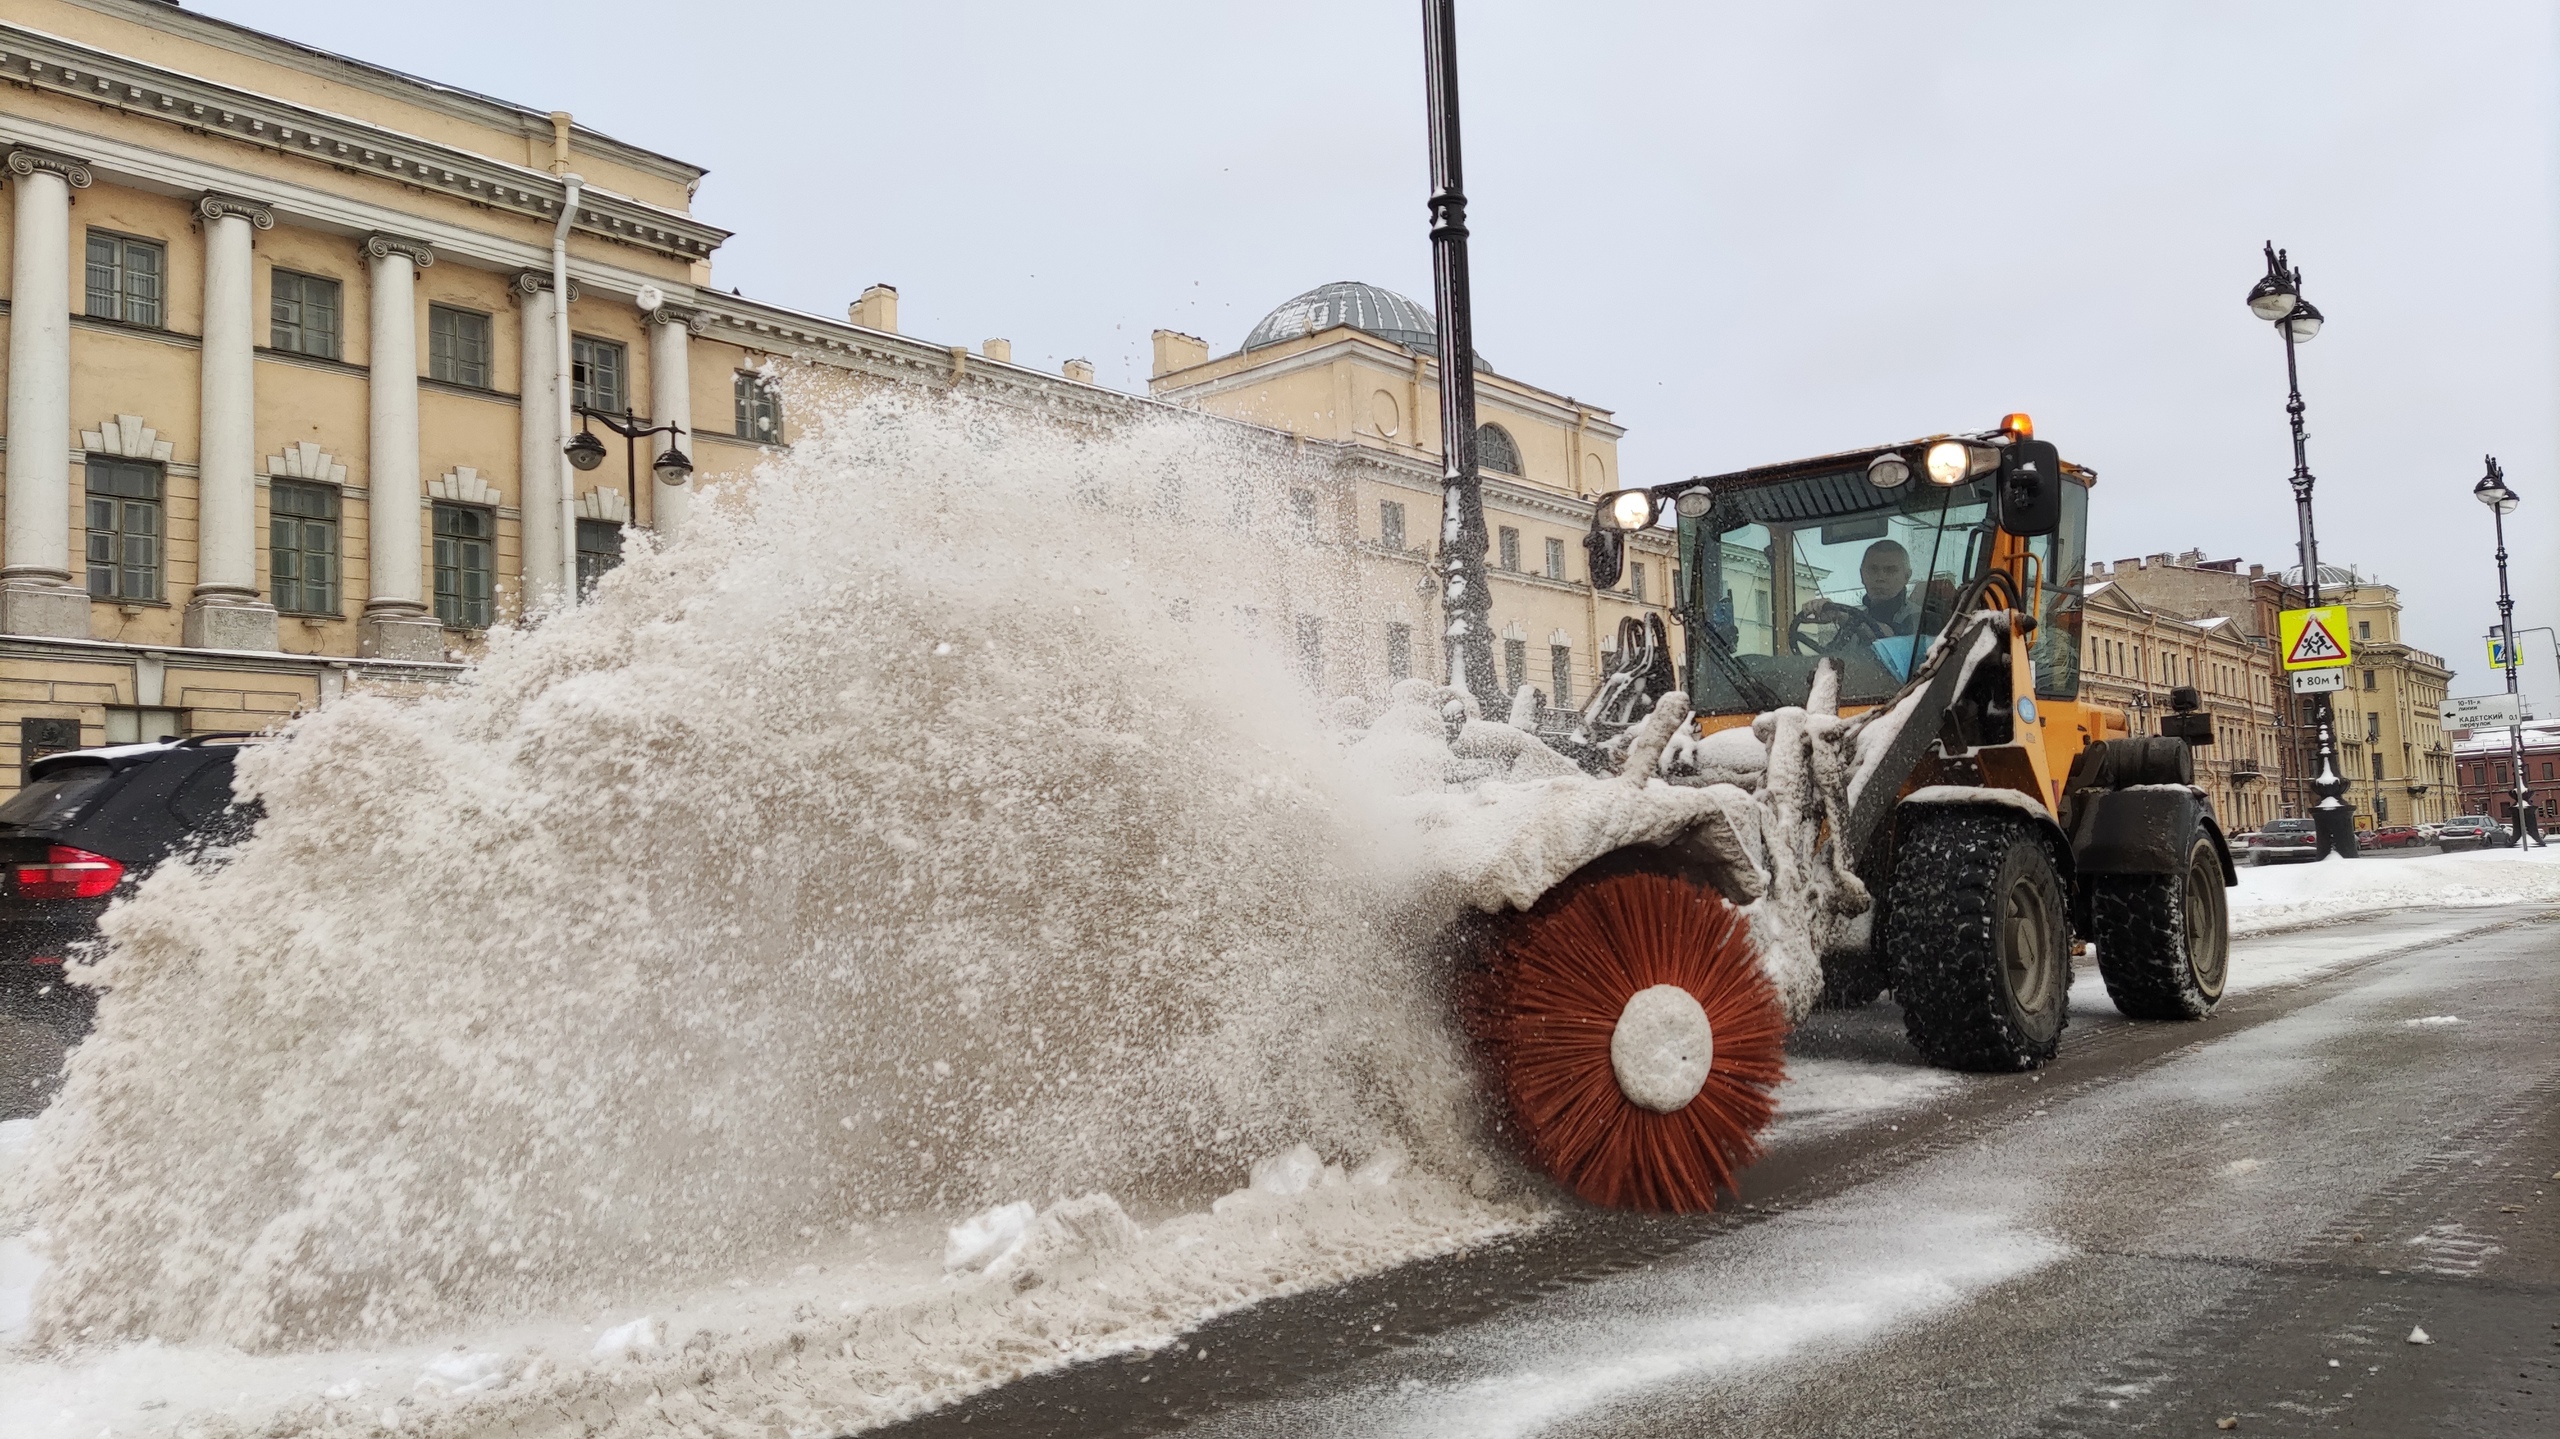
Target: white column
[396,624]
[539,476]
[37,596]
[670,403]
[225,611]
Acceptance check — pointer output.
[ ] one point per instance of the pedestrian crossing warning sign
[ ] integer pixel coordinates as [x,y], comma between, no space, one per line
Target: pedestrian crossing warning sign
[2314,639]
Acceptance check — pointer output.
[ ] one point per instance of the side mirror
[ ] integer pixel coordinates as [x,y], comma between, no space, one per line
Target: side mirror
[1607,552]
[2031,488]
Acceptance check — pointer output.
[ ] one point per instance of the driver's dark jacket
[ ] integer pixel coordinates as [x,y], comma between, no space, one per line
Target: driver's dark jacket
[1896,615]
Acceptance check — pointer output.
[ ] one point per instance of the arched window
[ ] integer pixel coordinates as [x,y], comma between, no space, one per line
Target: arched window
[1495,450]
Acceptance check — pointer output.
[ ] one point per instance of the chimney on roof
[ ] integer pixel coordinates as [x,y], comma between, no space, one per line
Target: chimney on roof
[877,309]
[998,350]
[1178,351]
[1080,371]
[2257,572]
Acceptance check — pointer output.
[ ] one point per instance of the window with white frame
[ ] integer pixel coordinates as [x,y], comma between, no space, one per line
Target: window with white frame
[303,314]
[458,346]
[759,409]
[126,278]
[126,529]
[600,374]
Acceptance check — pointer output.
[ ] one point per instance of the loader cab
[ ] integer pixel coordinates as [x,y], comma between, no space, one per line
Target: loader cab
[1864,558]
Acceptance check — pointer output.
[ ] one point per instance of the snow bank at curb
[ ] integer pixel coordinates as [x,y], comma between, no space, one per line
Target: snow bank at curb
[2274,897]
[896,1319]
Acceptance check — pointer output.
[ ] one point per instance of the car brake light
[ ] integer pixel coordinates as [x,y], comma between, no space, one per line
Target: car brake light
[69,873]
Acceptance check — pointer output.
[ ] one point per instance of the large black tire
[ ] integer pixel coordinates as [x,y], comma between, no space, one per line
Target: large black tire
[2164,940]
[1980,939]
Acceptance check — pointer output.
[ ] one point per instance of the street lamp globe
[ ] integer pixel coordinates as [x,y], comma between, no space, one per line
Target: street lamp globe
[2303,321]
[672,467]
[586,451]
[2493,492]
[2277,292]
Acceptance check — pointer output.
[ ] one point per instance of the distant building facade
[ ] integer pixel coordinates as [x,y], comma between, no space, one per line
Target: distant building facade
[1355,365]
[2391,746]
[2134,652]
[2484,773]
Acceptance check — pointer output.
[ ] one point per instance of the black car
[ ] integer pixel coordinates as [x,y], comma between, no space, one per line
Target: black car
[86,828]
[2285,841]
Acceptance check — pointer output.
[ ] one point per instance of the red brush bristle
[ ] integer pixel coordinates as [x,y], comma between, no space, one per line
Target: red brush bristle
[1546,1002]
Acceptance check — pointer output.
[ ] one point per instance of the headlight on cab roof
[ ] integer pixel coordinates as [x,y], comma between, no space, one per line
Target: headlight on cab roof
[1628,510]
[1952,462]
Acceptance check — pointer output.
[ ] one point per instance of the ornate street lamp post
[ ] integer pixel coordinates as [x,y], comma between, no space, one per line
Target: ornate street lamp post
[2493,492]
[586,452]
[2277,299]
[1466,595]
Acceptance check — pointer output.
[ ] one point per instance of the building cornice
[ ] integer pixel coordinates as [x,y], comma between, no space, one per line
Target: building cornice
[467,105]
[51,64]
[167,173]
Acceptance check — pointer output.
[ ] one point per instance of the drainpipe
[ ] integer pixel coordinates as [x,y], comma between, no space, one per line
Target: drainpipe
[573,186]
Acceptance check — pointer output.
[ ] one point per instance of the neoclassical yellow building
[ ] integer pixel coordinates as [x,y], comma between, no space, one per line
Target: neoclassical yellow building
[1354,365]
[280,357]
[2392,745]
[283,366]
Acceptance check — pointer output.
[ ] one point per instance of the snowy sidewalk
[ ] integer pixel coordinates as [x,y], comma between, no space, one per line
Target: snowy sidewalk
[2277,897]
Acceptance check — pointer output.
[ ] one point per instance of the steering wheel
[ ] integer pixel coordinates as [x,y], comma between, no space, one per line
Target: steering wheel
[1832,612]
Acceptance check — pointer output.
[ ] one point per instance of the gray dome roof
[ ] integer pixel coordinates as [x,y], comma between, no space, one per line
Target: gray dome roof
[1367,308]
[2331,577]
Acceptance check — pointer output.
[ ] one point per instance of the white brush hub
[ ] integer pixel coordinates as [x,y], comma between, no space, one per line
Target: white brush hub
[1662,1048]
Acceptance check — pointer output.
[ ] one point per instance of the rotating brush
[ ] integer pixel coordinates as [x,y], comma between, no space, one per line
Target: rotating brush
[1545,1005]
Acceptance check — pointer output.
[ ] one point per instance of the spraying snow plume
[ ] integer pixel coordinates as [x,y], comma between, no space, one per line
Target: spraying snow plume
[927,828]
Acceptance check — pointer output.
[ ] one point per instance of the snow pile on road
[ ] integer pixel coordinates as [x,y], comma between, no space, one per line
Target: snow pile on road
[870,1327]
[2273,897]
[935,828]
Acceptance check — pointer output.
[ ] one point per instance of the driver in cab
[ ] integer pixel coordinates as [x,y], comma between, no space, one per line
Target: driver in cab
[1885,610]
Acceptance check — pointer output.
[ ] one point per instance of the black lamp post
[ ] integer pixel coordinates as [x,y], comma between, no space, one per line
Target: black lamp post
[2277,299]
[2493,492]
[1466,596]
[586,451]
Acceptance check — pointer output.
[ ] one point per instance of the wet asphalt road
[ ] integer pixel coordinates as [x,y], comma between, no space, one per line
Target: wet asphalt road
[2172,1229]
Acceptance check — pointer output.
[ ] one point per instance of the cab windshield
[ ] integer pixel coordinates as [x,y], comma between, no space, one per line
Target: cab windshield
[1784,575]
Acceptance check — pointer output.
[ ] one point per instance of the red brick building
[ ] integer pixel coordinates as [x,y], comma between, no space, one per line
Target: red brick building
[2481,771]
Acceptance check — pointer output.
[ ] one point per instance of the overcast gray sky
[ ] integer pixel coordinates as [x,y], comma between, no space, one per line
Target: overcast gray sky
[1754,231]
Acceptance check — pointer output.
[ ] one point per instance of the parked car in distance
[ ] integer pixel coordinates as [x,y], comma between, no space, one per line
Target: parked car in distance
[2470,831]
[2395,836]
[86,828]
[2285,841]
[2429,831]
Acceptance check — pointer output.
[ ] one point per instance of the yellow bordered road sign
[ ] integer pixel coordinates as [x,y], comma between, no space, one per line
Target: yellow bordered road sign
[2314,639]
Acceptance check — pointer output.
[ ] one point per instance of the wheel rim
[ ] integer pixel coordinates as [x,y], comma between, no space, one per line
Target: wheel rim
[2207,957]
[2026,942]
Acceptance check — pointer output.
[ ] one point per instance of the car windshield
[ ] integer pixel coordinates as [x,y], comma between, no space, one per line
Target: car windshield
[56,799]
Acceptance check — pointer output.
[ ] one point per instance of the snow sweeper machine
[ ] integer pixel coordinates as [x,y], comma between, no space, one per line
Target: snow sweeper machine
[1865,767]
